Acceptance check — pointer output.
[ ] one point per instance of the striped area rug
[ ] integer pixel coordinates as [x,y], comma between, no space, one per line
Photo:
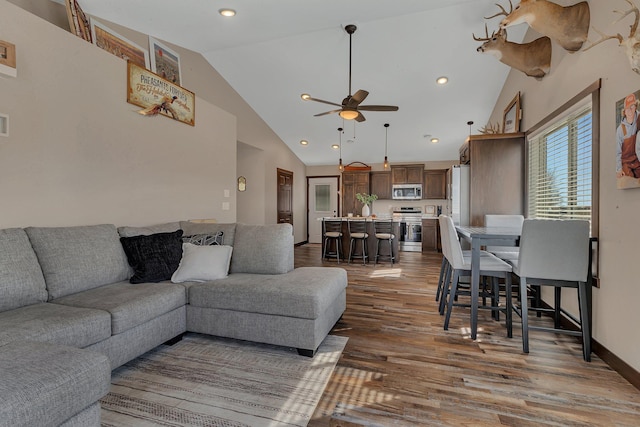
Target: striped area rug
[210,381]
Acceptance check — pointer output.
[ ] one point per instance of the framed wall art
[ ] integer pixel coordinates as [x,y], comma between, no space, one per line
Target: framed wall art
[158,96]
[627,161]
[164,61]
[107,39]
[512,116]
[78,21]
[8,59]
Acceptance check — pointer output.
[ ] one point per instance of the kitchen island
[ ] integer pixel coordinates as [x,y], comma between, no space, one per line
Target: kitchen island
[371,241]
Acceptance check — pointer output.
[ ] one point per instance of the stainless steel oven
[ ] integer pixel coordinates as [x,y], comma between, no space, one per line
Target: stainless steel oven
[410,218]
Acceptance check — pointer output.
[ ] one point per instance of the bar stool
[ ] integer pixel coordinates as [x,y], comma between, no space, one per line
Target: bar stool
[332,233]
[384,233]
[357,232]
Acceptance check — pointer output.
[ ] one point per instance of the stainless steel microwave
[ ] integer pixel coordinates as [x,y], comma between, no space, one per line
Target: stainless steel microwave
[406,191]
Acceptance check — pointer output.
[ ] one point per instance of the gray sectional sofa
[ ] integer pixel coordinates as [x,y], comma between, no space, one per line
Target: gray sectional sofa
[69,313]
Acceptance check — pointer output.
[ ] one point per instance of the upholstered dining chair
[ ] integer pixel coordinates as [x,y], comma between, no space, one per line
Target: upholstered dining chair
[499,220]
[332,235]
[556,253]
[490,266]
[357,233]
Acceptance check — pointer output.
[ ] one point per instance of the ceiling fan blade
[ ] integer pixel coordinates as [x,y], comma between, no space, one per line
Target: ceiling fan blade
[326,112]
[323,101]
[378,108]
[357,98]
[360,117]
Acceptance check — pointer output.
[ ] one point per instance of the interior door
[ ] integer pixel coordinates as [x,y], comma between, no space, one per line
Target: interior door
[285,196]
[323,202]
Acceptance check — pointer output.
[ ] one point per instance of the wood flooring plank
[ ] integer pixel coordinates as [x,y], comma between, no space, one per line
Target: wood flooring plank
[400,368]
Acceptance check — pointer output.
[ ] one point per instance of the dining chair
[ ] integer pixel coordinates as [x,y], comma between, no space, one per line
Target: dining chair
[499,220]
[357,233]
[556,253]
[383,229]
[445,267]
[490,266]
[332,235]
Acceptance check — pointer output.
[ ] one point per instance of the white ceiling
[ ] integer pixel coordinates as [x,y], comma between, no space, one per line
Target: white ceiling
[272,51]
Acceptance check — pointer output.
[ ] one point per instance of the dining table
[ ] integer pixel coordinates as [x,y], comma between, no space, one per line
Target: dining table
[479,237]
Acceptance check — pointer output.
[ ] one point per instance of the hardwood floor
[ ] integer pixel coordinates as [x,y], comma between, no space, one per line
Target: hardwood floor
[400,368]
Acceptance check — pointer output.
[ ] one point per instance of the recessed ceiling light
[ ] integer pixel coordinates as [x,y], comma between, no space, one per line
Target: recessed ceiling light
[335,146]
[442,80]
[304,142]
[435,140]
[227,12]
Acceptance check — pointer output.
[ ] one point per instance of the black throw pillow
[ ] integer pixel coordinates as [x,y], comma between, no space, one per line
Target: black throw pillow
[154,258]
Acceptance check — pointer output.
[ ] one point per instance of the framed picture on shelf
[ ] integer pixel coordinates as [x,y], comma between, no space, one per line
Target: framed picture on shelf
[107,39]
[8,59]
[512,116]
[164,61]
[78,21]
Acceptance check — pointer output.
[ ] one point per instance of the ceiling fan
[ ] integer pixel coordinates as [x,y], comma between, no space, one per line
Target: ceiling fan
[350,109]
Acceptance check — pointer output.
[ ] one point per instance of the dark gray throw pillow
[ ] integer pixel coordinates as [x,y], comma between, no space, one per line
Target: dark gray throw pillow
[155,257]
[205,239]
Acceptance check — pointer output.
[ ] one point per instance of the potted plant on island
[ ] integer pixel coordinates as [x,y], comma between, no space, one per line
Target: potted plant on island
[366,200]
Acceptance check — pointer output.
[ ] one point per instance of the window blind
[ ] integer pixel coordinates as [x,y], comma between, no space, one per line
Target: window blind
[559,168]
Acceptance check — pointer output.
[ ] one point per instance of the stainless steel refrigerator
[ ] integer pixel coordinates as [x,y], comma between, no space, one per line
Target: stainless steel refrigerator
[458,193]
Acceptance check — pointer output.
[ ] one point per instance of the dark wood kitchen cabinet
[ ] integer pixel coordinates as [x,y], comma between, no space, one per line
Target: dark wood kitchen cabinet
[430,235]
[353,183]
[381,184]
[435,184]
[496,172]
[406,174]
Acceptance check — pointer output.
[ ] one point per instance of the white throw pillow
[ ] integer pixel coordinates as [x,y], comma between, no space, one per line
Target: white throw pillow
[202,263]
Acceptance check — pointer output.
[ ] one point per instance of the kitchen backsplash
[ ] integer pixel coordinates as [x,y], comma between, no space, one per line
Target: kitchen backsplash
[384,207]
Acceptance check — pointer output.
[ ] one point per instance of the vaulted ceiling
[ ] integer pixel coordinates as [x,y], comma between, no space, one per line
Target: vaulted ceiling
[273,51]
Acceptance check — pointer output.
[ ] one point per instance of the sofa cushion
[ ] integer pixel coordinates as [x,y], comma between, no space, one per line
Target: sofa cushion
[130,305]
[263,249]
[21,280]
[155,257]
[305,292]
[192,228]
[166,227]
[45,384]
[53,323]
[203,263]
[74,259]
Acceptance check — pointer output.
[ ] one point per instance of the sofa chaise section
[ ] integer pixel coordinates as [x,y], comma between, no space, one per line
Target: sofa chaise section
[51,385]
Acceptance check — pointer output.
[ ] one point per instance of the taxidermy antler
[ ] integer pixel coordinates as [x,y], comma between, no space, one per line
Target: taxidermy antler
[566,25]
[631,44]
[491,129]
[533,59]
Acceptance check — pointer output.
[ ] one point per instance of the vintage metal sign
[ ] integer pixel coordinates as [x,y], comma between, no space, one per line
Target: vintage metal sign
[159,96]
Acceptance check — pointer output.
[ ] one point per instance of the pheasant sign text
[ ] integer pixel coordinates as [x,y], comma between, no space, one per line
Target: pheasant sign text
[159,96]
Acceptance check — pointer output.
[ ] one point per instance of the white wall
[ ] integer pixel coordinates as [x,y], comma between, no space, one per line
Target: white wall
[70,93]
[615,311]
[78,153]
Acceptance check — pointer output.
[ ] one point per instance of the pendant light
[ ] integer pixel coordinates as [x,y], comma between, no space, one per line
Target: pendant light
[386,134]
[340,167]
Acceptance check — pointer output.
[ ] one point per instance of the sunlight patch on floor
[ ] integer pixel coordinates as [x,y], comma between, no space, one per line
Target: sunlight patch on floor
[466,333]
[387,272]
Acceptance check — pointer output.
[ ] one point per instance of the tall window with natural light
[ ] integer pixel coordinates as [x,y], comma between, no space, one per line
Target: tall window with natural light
[560,168]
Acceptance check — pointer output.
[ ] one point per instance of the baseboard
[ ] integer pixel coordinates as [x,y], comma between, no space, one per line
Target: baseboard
[617,364]
[614,362]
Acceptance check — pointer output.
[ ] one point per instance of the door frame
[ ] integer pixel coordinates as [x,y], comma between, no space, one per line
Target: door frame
[338,192]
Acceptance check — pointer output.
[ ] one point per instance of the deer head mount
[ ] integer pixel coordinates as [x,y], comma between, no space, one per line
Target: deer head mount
[631,44]
[533,59]
[566,25]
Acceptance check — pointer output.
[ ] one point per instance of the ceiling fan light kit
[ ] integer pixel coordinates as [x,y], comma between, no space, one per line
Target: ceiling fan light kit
[350,108]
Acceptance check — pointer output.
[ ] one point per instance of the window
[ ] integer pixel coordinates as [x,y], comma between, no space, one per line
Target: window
[560,167]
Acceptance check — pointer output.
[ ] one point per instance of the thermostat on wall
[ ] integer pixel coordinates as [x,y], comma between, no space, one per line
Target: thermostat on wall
[4,125]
